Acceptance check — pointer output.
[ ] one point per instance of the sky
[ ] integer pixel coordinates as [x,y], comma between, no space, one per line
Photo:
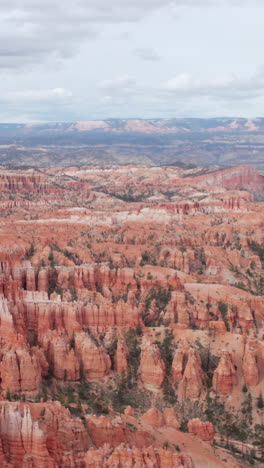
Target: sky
[97,59]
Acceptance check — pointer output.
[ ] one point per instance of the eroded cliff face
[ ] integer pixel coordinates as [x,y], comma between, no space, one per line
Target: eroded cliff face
[152,367]
[131,311]
[225,377]
[127,456]
[250,365]
[203,429]
[40,434]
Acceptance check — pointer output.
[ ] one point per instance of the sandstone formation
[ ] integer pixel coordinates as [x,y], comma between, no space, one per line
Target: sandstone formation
[250,366]
[193,380]
[127,456]
[154,418]
[119,287]
[224,377]
[103,429]
[202,429]
[129,411]
[171,419]
[19,371]
[29,436]
[187,373]
[95,361]
[177,367]
[152,367]
[65,362]
[121,363]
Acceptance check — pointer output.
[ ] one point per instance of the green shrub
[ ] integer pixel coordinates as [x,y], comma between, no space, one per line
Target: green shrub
[260,402]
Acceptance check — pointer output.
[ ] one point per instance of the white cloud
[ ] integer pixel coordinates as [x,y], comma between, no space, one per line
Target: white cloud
[229,88]
[119,84]
[184,85]
[35,105]
[33,31]
[38,95]
[146,54]
[180,82]
[184,95]
[73,59]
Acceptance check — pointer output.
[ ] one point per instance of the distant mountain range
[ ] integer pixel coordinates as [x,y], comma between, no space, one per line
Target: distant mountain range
[143,126]
[216,142]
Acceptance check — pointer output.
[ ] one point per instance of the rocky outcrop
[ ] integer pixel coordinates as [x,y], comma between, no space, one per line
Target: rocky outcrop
[23,442]
[187,373]
[224,378]
[23,182]
[129,411]
[171,419]
[30,279]
[202,429]
[250,366]
[43,280]
[126,456]
[113,431]
[194,380]
[152,367]
[95,361]
[121,363]
[66,365]
[40,435]
[231,201]
[9,371]
[8,334]
[20,371]
[154,418]
[177,367]
[233,178]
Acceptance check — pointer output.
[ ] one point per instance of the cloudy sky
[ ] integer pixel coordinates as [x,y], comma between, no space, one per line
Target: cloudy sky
[94,59]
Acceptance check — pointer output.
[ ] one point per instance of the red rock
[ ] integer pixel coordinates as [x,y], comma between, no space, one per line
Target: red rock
[121,356]
[65,363]
[20,372]
[224,377]
[8,333]
[41,435]
[177,366]
[103,429]
[9,371]
[153,417]
[171,419]
[250,366]
[126,456]
[97,290]
[233,178]
[187,373]
[193,380]
[43,280]
[202,429]
[129,411]
[25,182]
[30,371]
[22,438]
[96,363]
[152,367]
[30,279]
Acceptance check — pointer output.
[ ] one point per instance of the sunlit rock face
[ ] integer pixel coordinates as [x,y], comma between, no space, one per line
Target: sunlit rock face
[225,374]
[152,368]
[202,429]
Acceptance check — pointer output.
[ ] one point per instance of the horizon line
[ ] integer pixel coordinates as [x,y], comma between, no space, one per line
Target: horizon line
[128,118]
